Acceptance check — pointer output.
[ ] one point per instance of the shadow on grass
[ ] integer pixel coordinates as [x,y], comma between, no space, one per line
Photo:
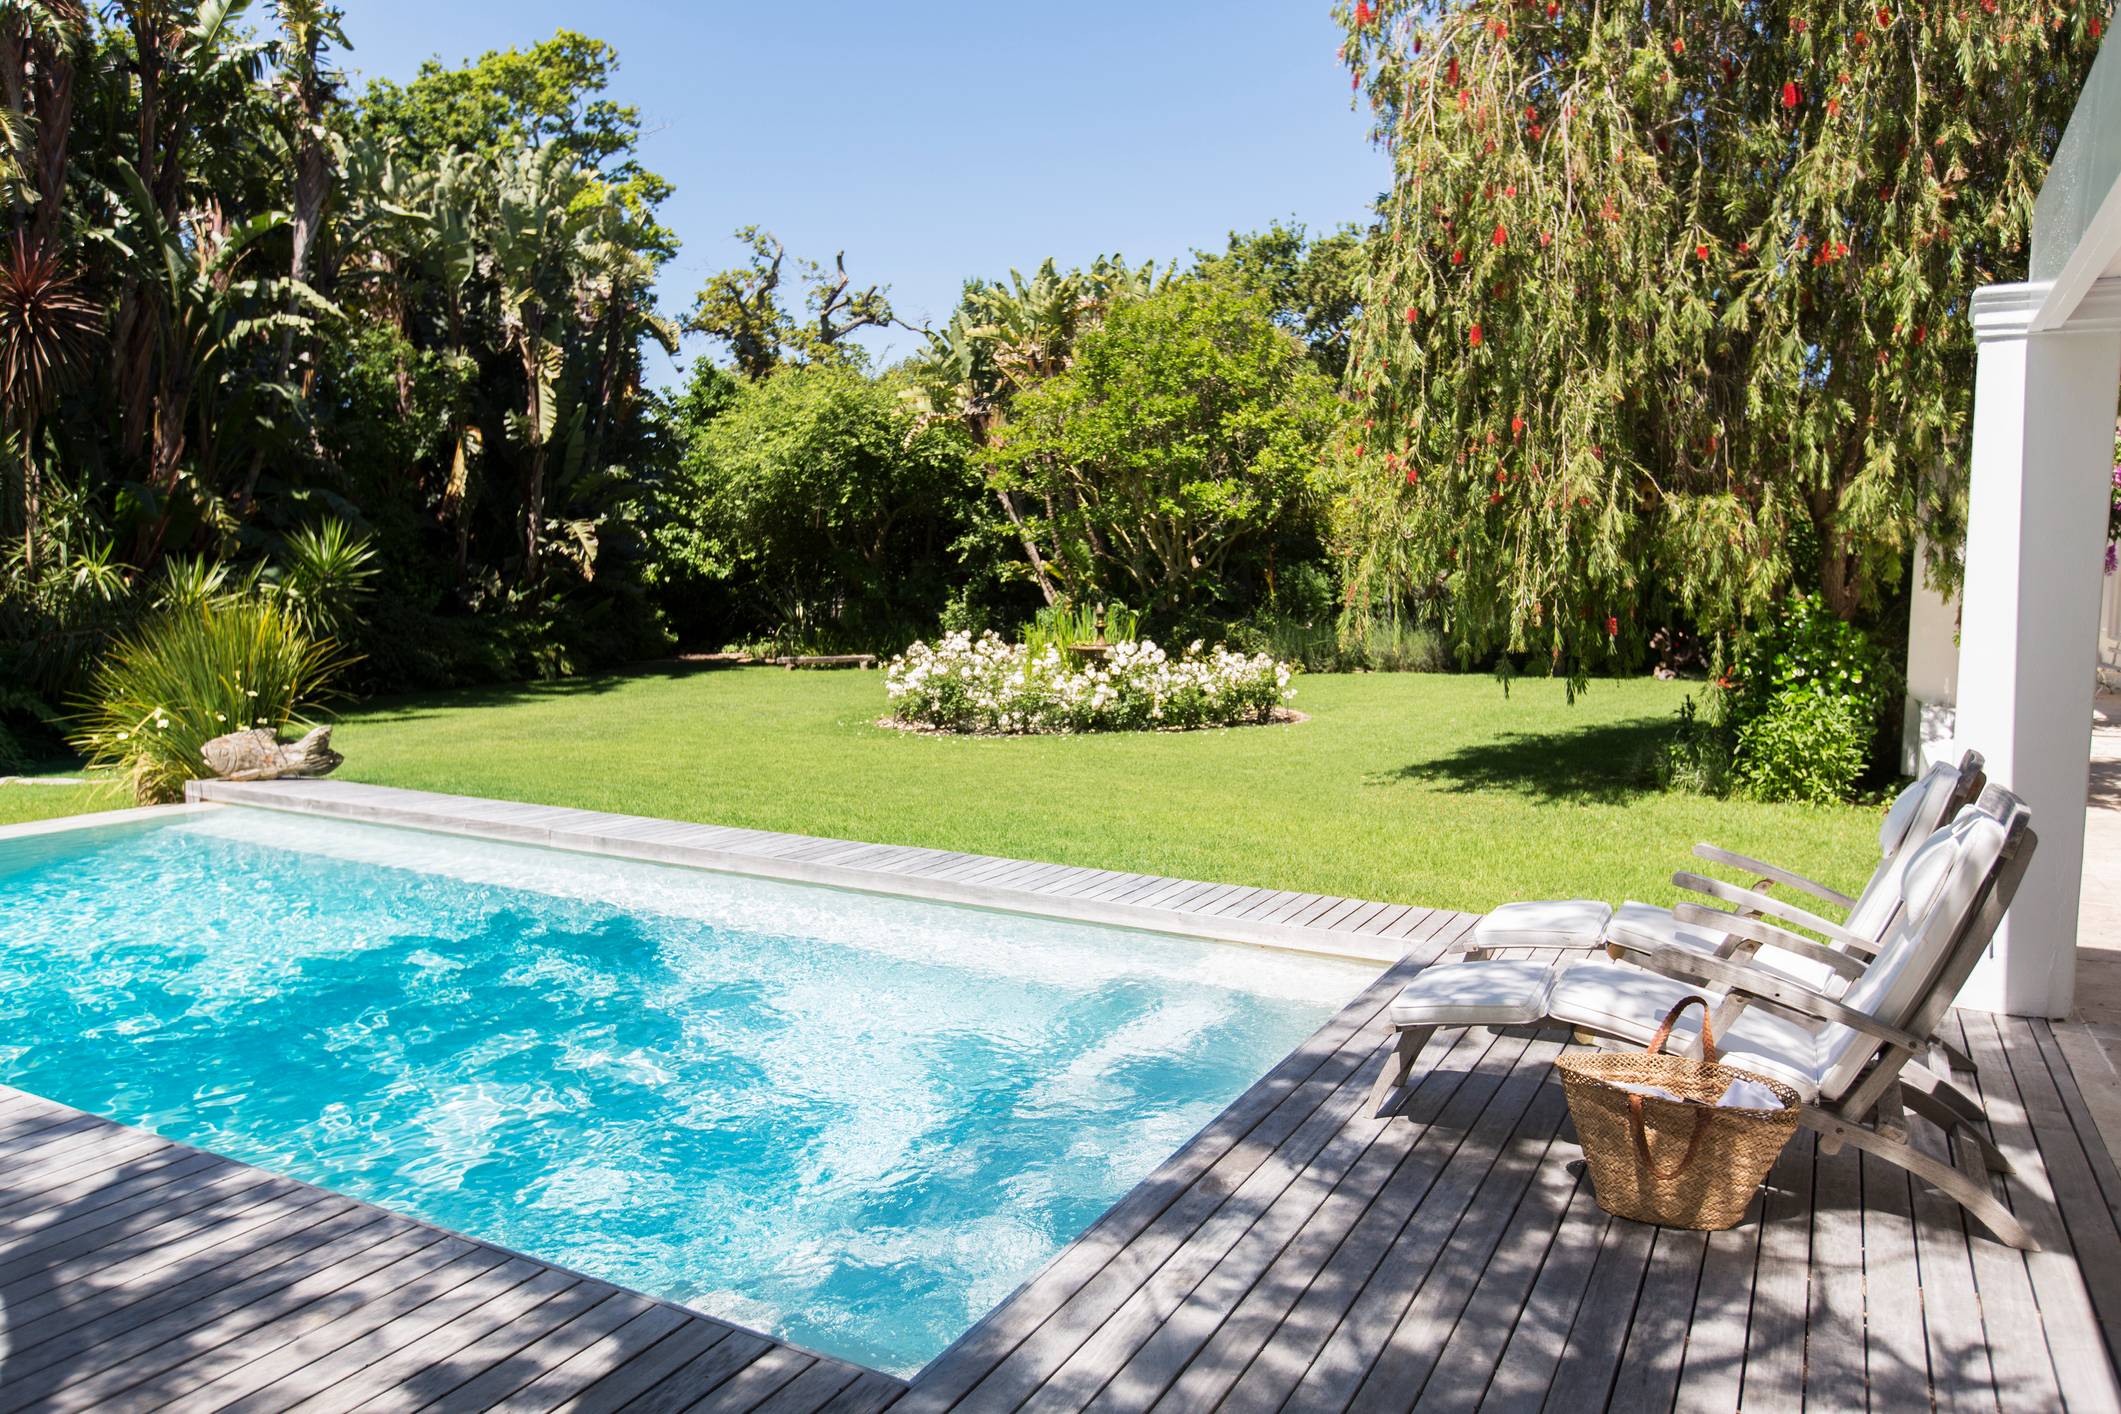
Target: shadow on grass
[413,707]
[1603,764]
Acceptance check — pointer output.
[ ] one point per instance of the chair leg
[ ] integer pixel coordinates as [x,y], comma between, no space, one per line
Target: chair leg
[1390,1091]
[1974,1196]
[1963,1131]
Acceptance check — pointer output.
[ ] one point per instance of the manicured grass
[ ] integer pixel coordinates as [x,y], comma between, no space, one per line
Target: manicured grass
[22,801]
[1437,790]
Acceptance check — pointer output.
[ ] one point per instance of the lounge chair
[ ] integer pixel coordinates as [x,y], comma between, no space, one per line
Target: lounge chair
[1855,1059]
[1637,930]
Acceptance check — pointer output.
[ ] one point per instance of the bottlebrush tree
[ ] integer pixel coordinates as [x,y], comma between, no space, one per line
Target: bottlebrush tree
[1669,303]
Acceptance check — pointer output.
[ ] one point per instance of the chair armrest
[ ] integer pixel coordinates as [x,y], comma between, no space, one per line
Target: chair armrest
[1685,965]
[1773,874]
[1755,930]
[1760,903]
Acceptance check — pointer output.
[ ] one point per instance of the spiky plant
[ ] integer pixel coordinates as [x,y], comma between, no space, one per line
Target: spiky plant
[192,673]
[47,327]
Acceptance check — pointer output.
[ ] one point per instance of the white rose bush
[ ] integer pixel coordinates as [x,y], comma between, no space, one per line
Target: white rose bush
[988,686]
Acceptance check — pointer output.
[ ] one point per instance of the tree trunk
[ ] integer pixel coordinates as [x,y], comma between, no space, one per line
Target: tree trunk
[1837,563]
[1024,538]
[32,510]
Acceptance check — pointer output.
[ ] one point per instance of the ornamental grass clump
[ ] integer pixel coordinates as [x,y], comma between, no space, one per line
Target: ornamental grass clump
[197,671]
[985,685]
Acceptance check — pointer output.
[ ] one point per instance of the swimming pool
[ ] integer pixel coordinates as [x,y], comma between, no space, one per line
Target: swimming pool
[856,1122]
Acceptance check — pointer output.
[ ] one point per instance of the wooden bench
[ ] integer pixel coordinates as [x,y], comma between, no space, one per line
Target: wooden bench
[829,660]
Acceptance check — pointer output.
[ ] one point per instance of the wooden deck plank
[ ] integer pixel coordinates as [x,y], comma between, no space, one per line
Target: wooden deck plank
[1834,1333]
[1236,1336]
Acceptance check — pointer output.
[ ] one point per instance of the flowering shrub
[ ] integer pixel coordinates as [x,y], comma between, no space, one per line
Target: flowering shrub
[985,685]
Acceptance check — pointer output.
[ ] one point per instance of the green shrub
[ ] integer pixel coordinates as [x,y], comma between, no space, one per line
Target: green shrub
[1808,745]
[194,672]
[1810,704]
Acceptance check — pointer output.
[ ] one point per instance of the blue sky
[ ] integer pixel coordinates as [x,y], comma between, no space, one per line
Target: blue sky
[939,140]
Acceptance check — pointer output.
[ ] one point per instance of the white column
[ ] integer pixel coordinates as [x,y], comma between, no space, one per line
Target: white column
[1927,729]
[2036,521]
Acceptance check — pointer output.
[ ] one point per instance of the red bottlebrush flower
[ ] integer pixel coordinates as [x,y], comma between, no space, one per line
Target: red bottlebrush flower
[1502,31]
[1790,96]
[1833,107]
[1501,236]
[1712,444]
[1553,12]
[1369,424]
[1358,450]
[1473,336]
[1494,498]
[1922,333]
[1417,44]
[1354,82]
[1458,257]
[1679,46]
[1598,454]
[1412,475]
[1612,627]
[1510,190]
[1701,252]
[1517,427]
[1531,115]
[1412,314]
[1451,72]
[1745,247]
[1885,17]
[1362,13]
[2097,26]
[1546,238]
[1534,131]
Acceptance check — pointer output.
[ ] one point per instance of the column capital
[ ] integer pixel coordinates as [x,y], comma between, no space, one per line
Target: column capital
[2016,311]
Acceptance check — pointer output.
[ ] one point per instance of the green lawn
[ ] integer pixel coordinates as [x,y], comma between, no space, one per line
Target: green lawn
[22,801]
[1431,789]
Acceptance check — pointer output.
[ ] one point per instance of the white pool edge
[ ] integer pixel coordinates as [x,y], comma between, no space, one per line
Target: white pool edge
[763,854]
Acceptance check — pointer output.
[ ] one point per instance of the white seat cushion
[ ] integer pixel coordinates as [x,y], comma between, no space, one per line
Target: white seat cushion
[1628,1004]
[1647,927]
[1510,992]
[1553,923]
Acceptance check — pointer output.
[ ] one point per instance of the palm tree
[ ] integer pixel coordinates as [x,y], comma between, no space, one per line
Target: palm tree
[540,234]
[307,89]
[46,329]
[39,43]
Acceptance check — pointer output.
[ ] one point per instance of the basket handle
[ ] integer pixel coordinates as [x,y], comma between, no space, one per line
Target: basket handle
[1641,1136]
[1709,1052]
[1636,1129]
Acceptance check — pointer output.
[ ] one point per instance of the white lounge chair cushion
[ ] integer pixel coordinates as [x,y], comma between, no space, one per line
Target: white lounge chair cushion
[1648,927]
[1497,992]
[1627,1004]
[1551,923]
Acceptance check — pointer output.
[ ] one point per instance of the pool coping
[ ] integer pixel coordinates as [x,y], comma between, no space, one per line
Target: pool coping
[1346,929]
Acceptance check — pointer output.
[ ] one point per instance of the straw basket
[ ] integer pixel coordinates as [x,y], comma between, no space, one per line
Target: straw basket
[1657,1161]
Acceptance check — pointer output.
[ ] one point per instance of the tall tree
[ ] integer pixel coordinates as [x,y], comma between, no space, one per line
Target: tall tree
[746,308]
[1673,299]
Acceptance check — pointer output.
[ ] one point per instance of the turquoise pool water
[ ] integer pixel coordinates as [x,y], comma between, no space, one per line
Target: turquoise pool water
[855,1122]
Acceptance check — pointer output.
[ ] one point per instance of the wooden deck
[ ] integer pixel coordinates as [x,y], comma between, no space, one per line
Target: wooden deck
[140,1274]
[1298,1254]
[1302,1255]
